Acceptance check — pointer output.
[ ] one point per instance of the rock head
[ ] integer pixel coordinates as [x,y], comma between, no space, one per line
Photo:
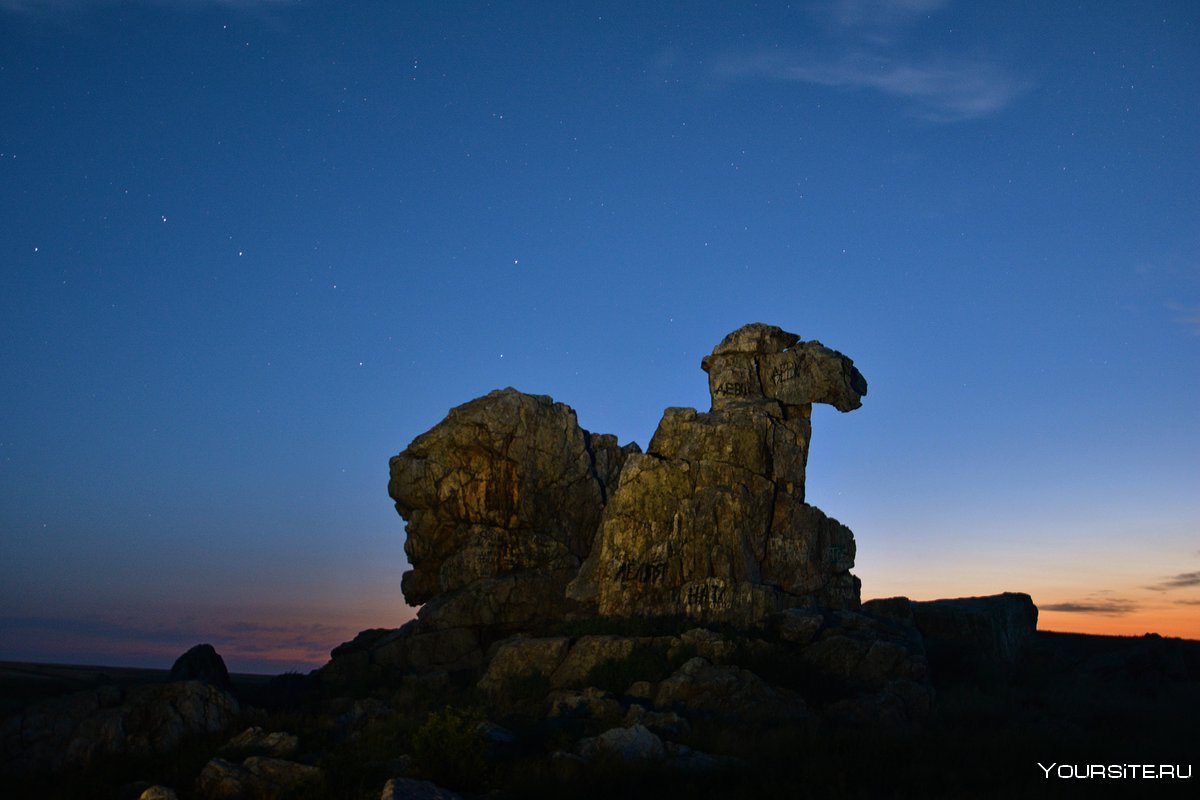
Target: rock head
[762,362]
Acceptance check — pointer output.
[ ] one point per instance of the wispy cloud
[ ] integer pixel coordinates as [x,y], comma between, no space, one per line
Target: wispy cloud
[877,20]
[871,49]
[1188,316]
[941,88]
[1113,607]
[1183,580]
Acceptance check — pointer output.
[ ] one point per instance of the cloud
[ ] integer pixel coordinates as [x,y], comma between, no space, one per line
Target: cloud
[942,89]
[869,49]
[1181,581]
[1105,607]
[1188,316]
[1188,602]
[877,19]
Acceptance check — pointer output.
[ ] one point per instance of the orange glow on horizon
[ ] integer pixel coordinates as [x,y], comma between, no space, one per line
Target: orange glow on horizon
[1178,622]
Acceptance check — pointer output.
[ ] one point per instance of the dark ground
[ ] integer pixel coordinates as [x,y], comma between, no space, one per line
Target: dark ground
[1073,699]
[23,684]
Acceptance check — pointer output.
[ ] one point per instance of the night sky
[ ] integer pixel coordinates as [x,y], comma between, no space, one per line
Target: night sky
[250,249]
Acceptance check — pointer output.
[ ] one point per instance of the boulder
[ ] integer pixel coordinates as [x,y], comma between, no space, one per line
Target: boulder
[861,652]
[798,625]
[158,793]
[589,703]
[664,723]
[587,653]
[523,657]
[412,789]
[259,742]
[633,745]
[257,777]
[699,689]
[202,663]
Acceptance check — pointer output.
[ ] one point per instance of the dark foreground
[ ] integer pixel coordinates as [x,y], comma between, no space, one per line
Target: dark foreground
[1072,704]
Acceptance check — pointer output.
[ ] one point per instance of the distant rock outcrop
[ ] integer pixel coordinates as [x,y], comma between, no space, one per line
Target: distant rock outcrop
[202,663]
[966,633]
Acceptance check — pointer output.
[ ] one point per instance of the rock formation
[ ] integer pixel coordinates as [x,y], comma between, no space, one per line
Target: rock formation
[518,518]
[508,497]
[711,524]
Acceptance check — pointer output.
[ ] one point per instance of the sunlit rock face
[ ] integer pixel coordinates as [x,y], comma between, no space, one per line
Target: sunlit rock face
[502,499]
[710,523]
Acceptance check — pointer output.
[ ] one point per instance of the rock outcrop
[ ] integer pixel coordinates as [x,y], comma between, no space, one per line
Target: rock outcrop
[503,499]
[966,633]
[202,663]
[710,523]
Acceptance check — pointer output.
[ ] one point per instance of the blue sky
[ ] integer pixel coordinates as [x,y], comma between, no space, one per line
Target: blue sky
[251,249]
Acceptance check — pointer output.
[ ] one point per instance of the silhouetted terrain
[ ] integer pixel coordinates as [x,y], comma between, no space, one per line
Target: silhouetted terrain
[1069,700]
